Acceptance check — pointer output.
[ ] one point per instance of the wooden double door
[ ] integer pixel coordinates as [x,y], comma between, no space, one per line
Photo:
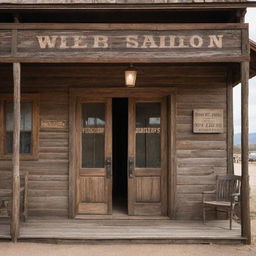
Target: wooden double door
[146,159]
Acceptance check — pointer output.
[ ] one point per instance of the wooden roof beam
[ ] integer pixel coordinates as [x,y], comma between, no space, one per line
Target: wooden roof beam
[170,6]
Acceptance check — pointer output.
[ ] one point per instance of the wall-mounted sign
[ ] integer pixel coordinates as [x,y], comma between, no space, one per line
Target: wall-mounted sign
[124,42]
[148,130]
[54,124]
[208,121]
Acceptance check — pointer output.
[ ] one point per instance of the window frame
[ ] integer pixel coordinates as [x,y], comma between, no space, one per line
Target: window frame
[34,99]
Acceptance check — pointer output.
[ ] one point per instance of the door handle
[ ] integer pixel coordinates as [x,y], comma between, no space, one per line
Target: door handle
[131,167]
[108,166]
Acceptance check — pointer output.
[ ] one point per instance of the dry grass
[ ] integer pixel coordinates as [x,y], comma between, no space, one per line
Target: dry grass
[253,206]
[252,172]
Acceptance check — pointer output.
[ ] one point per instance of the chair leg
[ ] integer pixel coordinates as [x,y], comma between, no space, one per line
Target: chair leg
[230,218]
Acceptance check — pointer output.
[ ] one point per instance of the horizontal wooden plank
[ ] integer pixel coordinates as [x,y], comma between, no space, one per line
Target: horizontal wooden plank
[194,189]
[48,185]
[53,156]
[56,202]
[201,154]
[48,212]
[60,140]
[201,170]
[104,26]
[122,5]
[47,193]
[100,172]
[54,149]
[194,59]
[57,136]
[93,208]
[196,180]
[37,177]
[210,161]
[147,209]
[209,145]
[146,172]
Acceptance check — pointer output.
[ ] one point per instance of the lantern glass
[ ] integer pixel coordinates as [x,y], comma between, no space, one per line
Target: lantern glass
[130,77]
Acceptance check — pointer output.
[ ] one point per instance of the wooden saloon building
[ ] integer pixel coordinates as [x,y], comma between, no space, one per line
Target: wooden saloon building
[116,115]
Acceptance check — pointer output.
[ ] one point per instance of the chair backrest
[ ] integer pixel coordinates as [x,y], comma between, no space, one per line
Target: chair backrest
[226,186]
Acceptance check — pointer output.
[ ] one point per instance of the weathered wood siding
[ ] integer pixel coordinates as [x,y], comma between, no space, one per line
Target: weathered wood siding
[199,156]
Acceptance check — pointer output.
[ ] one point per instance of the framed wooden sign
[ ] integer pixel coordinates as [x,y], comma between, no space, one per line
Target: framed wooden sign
[126,43]
[53,124]
[208,121]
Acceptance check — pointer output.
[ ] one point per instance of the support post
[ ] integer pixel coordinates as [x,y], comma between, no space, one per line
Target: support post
[245,190]
[230,126]
[15,217]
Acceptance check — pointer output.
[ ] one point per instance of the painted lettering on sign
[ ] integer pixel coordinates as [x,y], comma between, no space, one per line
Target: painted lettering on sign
[92,130]
[148,130]
[53,124]
[208,121]
[129,41]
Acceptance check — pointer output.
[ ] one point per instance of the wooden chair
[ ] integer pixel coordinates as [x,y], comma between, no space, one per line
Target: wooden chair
[227,195]
[6,194]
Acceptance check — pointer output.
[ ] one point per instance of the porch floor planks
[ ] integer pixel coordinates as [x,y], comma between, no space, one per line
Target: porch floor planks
[68,229]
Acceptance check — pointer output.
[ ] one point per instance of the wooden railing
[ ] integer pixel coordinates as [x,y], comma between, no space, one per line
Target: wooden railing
[6,195]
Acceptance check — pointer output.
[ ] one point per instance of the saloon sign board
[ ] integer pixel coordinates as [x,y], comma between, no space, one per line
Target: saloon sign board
[124,43]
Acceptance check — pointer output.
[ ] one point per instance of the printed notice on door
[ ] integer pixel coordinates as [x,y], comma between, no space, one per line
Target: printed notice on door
[208,121]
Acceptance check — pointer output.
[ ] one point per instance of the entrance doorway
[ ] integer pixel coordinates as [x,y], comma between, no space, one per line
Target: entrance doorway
[120,150]
[121,156]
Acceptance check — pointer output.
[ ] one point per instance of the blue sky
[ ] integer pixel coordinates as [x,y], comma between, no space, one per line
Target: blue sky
[251,19]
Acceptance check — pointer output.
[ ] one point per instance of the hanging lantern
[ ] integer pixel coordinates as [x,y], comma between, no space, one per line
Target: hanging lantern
[130,76]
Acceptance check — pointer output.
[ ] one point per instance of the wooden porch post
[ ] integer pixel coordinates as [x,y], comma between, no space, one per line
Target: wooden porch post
[15,218]
[245,193]
[230,121]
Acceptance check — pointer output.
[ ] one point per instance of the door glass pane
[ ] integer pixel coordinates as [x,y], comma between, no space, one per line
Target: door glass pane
[148,133]
[25,127]
[93,135]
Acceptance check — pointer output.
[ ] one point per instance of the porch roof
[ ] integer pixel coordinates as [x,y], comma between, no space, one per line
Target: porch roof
[236,71]
[124,4]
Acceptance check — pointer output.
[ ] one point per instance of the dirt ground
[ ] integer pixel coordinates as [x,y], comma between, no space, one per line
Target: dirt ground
[252,173]
[30,249]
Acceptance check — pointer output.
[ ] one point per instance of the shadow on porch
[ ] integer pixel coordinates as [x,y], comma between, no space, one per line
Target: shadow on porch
[158,231]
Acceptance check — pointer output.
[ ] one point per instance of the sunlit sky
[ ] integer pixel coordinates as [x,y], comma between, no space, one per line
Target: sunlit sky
[251,19]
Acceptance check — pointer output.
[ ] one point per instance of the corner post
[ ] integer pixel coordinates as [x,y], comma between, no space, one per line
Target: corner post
[15,218]
[245,190]
[230,121]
